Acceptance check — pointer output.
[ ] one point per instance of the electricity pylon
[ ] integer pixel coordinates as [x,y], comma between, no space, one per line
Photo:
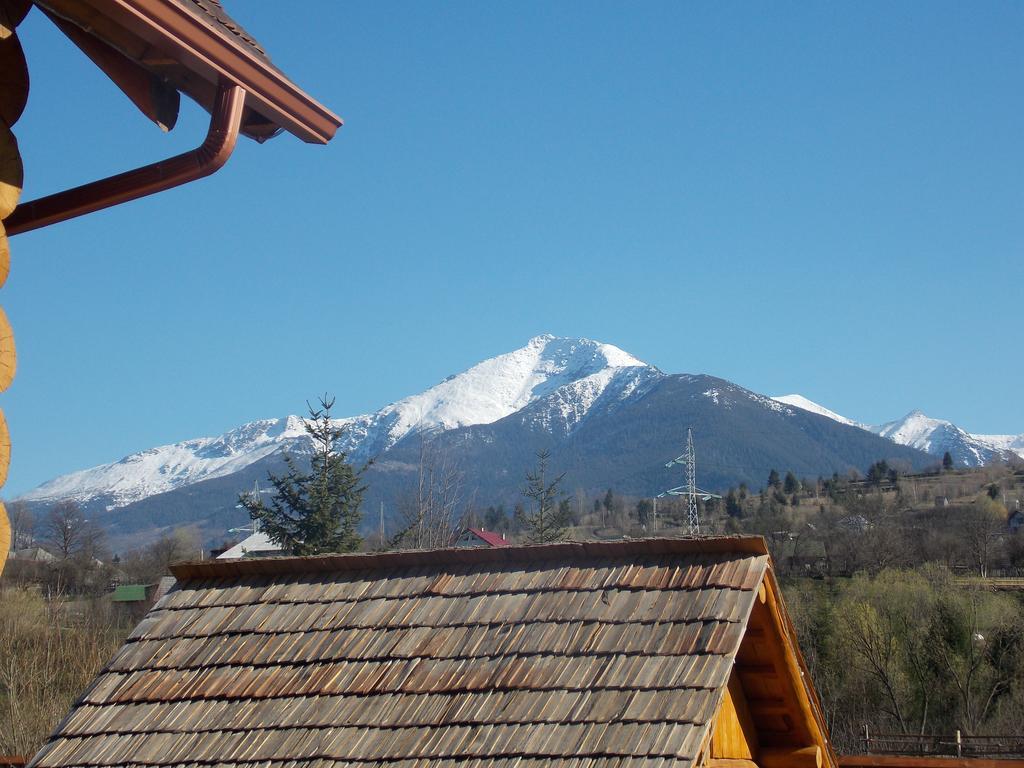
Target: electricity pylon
[690,490]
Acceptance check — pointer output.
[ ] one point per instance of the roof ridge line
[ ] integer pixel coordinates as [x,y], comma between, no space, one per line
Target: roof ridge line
[371,561]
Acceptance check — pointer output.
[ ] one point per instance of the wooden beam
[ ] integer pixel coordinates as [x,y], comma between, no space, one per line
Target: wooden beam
[772,706]
[8,354]
[909,761]
[5,449]
[802,757]
[731,762]
[757,670]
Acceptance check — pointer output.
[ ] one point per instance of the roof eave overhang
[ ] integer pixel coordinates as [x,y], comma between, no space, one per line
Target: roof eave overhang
[217,58]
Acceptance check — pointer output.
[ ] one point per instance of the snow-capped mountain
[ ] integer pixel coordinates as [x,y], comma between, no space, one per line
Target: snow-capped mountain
[167,467]
[933,436]
[937,436]
[799,401]
[568,376]
[607,418]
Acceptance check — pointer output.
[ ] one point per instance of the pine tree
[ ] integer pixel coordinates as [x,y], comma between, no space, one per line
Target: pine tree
[316,512]
[947,461]
[774,481]
[644,512]
[791,485]
[546,521]
[733,508]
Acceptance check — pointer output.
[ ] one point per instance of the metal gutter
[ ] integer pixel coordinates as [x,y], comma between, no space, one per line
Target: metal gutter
[225,120]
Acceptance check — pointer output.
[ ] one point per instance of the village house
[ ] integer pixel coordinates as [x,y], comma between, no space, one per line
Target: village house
[478,537]
[633,653]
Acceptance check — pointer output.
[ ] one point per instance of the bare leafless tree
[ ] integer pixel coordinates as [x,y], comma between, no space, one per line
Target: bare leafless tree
[431,513]
[64,529]
[22,524]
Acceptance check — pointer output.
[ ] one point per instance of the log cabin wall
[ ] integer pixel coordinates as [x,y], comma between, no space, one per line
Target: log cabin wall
[14,84]
[734,736]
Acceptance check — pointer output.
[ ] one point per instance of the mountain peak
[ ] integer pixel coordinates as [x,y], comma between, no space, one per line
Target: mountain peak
[502,385]
[574,373]
[565,348]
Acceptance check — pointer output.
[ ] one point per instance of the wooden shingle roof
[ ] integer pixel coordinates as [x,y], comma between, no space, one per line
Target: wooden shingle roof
[572,655]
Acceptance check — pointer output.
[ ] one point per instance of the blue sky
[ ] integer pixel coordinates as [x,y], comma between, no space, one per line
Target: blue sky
[821,198]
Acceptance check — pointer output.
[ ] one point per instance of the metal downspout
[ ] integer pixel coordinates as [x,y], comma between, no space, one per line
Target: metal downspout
[225,121]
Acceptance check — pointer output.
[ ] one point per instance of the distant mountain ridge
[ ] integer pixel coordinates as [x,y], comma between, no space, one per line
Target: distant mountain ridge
[608,419]
[569,375]
[933,436]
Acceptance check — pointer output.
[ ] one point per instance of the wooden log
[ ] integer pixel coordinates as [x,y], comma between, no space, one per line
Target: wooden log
[8,354]
[12,13]
[5,449]
[13,80]
[5,256]
[5,536]
[731,762]
[12,174]
[802,757]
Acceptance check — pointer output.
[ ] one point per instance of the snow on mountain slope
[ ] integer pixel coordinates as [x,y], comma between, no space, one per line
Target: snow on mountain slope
[1011,443]
[167,467]
[799,401]
[502,385]
[937,436]
[934,436]
[570,375]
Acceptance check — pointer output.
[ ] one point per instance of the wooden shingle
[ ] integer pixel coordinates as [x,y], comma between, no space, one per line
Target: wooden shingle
[608,655]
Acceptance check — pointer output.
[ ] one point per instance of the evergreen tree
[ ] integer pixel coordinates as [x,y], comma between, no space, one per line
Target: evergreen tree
[947,461]
[878,472]
[546,521]
[774,481]
[315,512]
[791,485]
[733,508]
[609,500]
[495,518]
[644,511]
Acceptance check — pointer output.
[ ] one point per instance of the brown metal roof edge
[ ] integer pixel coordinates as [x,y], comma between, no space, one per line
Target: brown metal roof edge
[568,550]
[914,761]
[277,97]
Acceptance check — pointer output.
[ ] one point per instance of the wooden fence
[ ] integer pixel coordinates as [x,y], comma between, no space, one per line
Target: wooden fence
[955,745]
[992,582]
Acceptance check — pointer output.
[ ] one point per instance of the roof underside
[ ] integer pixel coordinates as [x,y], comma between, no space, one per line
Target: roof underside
[194,45]
[566,655]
